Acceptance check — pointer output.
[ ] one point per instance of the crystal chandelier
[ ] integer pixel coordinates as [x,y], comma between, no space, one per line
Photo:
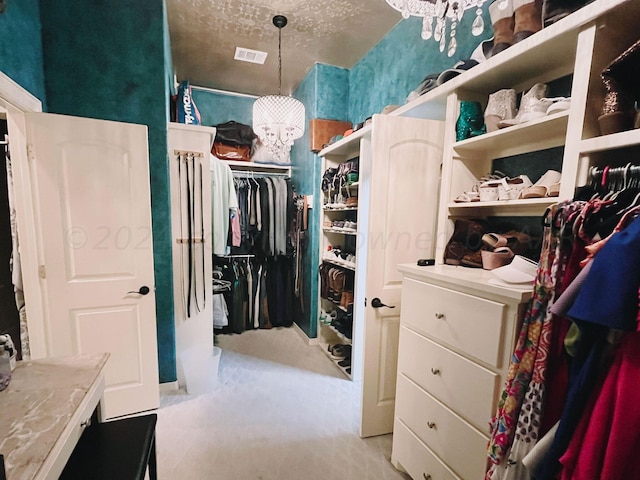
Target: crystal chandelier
[435,14]
[278,119]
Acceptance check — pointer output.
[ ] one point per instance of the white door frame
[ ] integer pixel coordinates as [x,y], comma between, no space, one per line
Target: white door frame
[15,101]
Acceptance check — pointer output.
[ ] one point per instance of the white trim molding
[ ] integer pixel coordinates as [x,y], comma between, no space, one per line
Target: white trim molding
[17,95]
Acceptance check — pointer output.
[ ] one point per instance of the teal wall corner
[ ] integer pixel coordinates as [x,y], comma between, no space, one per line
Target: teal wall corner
[107,60]
[21,47]
[401,60]
[324,92]
[217,107]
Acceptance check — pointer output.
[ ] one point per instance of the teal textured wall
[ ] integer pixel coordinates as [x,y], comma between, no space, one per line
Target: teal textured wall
[401,60]
[107,59]
[324,92]
[21,48]
[215,107]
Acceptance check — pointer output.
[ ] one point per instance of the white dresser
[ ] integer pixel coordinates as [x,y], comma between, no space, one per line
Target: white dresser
[457,333]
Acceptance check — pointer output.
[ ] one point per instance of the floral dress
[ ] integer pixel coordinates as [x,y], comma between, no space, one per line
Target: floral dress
[516,425]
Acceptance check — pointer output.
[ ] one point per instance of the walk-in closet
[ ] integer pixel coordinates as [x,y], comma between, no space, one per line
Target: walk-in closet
[375,239]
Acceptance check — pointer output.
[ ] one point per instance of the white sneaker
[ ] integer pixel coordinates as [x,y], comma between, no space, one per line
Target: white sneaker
[532,105]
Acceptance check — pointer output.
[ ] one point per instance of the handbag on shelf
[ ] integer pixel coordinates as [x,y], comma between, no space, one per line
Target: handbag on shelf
[241,153]
[235,133]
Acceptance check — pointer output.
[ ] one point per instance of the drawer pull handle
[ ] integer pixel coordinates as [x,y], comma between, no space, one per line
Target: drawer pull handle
[439,315]
[426,477]
[435,371]
[431,425]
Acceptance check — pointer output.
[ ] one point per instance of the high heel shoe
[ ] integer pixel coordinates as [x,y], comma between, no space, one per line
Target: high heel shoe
[470,122]
[501,106]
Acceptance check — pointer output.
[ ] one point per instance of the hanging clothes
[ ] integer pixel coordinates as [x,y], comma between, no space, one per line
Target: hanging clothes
[566,346]
[223,200]
[261,268]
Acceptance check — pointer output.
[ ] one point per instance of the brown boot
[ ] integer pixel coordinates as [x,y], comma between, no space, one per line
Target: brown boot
[528,18]
[501,12]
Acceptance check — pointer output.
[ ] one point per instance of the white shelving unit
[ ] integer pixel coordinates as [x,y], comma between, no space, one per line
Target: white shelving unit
[581,45]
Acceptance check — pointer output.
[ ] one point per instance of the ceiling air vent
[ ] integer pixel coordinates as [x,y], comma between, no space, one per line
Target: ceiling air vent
[251,56]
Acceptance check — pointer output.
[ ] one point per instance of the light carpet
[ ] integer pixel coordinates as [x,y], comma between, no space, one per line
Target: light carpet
[280,411]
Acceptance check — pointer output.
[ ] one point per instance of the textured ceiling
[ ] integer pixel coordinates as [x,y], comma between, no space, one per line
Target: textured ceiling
[205,34]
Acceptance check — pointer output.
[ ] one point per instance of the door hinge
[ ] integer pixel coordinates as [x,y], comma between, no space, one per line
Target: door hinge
[42,273]
[29,151]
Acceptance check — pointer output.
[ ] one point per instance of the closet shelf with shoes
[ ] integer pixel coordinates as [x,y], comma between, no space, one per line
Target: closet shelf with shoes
[548,131]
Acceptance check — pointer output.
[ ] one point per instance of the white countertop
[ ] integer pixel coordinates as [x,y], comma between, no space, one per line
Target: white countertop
[475,279]
[37,407]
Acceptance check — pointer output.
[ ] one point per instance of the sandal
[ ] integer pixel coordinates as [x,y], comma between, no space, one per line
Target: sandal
[498,258]
[543,186]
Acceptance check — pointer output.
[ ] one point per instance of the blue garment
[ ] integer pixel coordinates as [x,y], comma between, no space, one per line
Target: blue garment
[609,295]
[608,299]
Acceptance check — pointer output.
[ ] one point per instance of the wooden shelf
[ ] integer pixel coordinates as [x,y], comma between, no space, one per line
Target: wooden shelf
[548,54]
[342,209]
[343,338]
[348,147]
[629,138]
[524,207]
[340,230]
[347,265]
[323,347]
[542,133]
[257,167]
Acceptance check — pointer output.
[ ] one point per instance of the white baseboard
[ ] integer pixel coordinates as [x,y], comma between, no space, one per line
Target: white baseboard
[169,386]
[305,338]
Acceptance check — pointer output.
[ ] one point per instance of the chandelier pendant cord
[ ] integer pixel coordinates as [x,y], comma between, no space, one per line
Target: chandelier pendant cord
[279,61]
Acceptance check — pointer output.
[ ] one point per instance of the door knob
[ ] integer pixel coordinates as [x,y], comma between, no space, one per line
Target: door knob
[143,290]
[376,303]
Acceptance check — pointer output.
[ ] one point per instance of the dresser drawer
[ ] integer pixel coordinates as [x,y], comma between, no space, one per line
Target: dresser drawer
[410,454]
[471,324]
[449,377]
[457,443]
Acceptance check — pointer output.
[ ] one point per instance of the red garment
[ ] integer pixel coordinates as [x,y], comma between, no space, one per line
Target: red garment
[606,443]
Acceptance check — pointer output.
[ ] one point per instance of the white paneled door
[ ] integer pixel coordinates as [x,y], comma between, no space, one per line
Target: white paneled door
[90,180]
[401,183]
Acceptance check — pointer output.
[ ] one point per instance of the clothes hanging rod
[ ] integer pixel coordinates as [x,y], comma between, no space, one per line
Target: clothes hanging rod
[251,174]
[237,256]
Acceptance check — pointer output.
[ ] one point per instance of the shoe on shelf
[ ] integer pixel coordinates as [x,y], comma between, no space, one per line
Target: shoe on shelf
[517,242]
[473,195]
[340,351]
[548,185]
[346,363]
[528,18]
[470,121]
[510,188]
[467,197]
[559,104]
[489,191]
[501,13]
[349,225]
[472,259]
[501,106]
[532,105]
[351,202]
[497,258]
